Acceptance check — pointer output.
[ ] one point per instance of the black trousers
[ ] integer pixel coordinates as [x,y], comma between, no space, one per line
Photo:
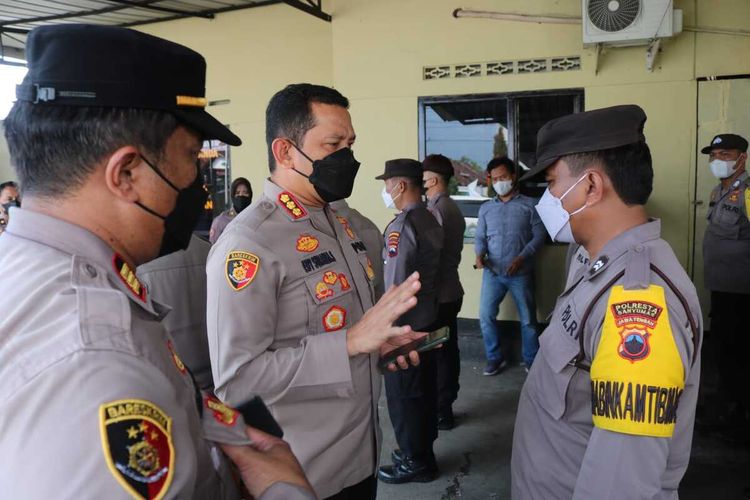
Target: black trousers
[729,328]
[448,358]
[363,490]
[412,406]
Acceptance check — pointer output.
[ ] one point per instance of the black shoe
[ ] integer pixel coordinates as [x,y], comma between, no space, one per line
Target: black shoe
[408,471]
[446,421]
[397,456]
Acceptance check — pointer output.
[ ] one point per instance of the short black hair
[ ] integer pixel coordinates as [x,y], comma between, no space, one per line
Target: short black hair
[53,149]
[8,184]
[628,167]
[502,161]
[289,114]
[239,181]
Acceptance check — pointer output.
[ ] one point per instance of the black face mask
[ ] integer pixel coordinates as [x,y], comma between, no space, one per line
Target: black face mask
[180,222]
[333,176]
[240,203]
[11,203]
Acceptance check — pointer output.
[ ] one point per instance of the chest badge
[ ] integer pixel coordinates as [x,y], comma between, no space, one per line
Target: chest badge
[138,447]
[307,243]
[241,268]
[334,319]
[370,270]
[322,291]
[347,229]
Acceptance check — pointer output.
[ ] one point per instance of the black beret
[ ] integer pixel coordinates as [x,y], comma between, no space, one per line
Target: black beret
[439,164]
[726,141]
[586,132]
[402,167]
[107,66]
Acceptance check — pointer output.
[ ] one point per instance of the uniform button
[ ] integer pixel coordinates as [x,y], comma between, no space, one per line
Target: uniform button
[639,248]
[90,271]
[267,205]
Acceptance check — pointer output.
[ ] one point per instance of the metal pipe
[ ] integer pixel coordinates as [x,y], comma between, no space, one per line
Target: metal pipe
[716,31]
[555,19]
[524,18]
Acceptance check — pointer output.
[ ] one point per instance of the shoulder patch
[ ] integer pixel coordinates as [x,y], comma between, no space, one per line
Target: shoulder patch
[128,277]
[291,206]
[637,374]
[137,441]
[392,243]
[241,268]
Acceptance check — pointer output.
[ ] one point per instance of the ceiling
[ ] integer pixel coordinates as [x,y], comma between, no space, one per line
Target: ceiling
[18,17]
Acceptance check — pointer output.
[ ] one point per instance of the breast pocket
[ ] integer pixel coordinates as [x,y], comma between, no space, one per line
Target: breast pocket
[558,347]
[330,301]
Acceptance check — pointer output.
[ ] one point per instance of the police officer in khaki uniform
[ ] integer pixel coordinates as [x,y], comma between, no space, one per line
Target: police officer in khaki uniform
[413,241]
[291,294]
[438,170]
[179,281]
[726,262]
[96,402]
[607,410]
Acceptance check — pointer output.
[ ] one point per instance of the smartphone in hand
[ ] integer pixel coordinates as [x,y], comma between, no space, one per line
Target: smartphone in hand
[431,341]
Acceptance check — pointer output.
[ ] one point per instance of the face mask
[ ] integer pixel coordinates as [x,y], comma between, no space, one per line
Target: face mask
[240,203]
[502,187]
[11,203]
[333,176]
[722,169]
[180,222]
[554,217]
[388,200]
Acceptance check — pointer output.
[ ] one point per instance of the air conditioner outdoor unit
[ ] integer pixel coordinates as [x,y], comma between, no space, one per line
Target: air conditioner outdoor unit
[629,22]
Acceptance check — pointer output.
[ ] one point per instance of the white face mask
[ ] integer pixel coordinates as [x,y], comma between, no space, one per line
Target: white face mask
[502,187]
[722,169]
[554,217]
[389,201]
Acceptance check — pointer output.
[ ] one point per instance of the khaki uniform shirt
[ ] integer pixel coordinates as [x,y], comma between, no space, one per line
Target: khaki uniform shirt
[726,244]
[179,280]
[285,282]
[414,242]
[452,221]
[94,400]
[615,432]
[372,238]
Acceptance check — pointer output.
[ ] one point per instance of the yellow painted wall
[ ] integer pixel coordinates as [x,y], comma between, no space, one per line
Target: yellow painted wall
[250,55]
[381,47]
